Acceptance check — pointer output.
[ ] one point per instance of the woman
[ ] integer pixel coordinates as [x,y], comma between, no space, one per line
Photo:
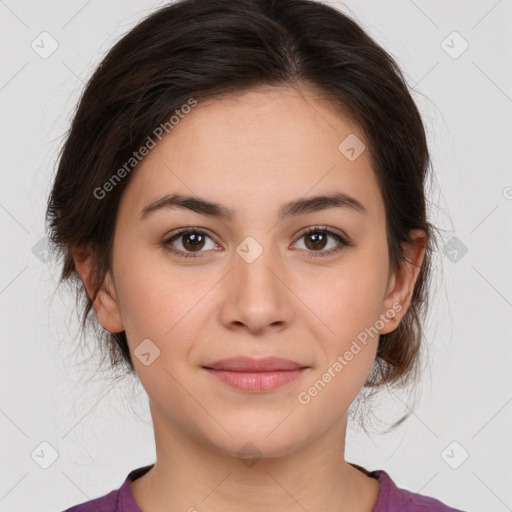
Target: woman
[241,200]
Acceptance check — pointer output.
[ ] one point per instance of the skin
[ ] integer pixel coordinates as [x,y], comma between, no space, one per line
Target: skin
[252,152]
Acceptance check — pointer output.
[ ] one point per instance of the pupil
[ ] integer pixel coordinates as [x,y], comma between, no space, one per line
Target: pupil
[316,238]
[195,240]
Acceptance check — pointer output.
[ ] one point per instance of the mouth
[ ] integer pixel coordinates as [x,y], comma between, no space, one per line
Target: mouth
[255,375]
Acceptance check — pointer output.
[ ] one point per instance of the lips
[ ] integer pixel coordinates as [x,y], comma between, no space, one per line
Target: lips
[247,364]
[255,375]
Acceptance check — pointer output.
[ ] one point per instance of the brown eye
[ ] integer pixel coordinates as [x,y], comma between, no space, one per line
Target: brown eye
[192,241]
[187,242]
[316,239]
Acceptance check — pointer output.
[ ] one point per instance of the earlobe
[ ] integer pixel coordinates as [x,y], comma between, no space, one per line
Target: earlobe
[402,282]
[105,305]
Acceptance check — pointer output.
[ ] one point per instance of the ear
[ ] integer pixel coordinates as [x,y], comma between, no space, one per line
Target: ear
[401,283]
[106,307]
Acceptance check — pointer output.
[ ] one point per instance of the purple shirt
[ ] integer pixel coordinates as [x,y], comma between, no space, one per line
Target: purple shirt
[391,498]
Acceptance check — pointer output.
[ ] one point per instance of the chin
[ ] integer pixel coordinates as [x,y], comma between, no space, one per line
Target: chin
[260,439]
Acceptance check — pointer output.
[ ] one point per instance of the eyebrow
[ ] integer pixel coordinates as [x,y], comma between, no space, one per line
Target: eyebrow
[292,208]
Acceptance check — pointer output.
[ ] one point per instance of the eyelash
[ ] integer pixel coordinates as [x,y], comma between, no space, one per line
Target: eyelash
[343,242]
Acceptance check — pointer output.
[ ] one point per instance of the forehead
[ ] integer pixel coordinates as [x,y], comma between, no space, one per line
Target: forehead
[257,148]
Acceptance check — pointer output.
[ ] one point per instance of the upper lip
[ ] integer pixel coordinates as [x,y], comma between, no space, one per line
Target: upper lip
[248,364]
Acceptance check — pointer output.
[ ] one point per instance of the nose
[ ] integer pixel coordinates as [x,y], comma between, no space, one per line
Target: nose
[256,295]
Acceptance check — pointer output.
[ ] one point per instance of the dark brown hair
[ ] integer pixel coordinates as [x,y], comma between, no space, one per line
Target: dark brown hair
[202,49]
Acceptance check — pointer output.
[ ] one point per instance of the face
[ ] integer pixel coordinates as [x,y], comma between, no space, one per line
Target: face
[309,283]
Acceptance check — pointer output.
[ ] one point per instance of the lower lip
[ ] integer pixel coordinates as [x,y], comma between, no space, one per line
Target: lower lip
[258,381]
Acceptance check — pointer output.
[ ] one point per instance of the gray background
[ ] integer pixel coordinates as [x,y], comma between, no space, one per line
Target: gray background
[100,431]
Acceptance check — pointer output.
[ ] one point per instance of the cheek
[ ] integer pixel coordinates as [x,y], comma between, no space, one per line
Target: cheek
[351,309]
[351,299]
[162,314]
[156,301]
[350,304]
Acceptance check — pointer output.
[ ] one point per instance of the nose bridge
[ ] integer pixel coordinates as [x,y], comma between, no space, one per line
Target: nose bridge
[255,260]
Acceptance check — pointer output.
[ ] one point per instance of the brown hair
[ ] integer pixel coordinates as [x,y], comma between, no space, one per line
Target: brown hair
[203,49]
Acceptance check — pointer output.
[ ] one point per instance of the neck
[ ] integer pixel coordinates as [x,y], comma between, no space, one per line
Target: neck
[190,475]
